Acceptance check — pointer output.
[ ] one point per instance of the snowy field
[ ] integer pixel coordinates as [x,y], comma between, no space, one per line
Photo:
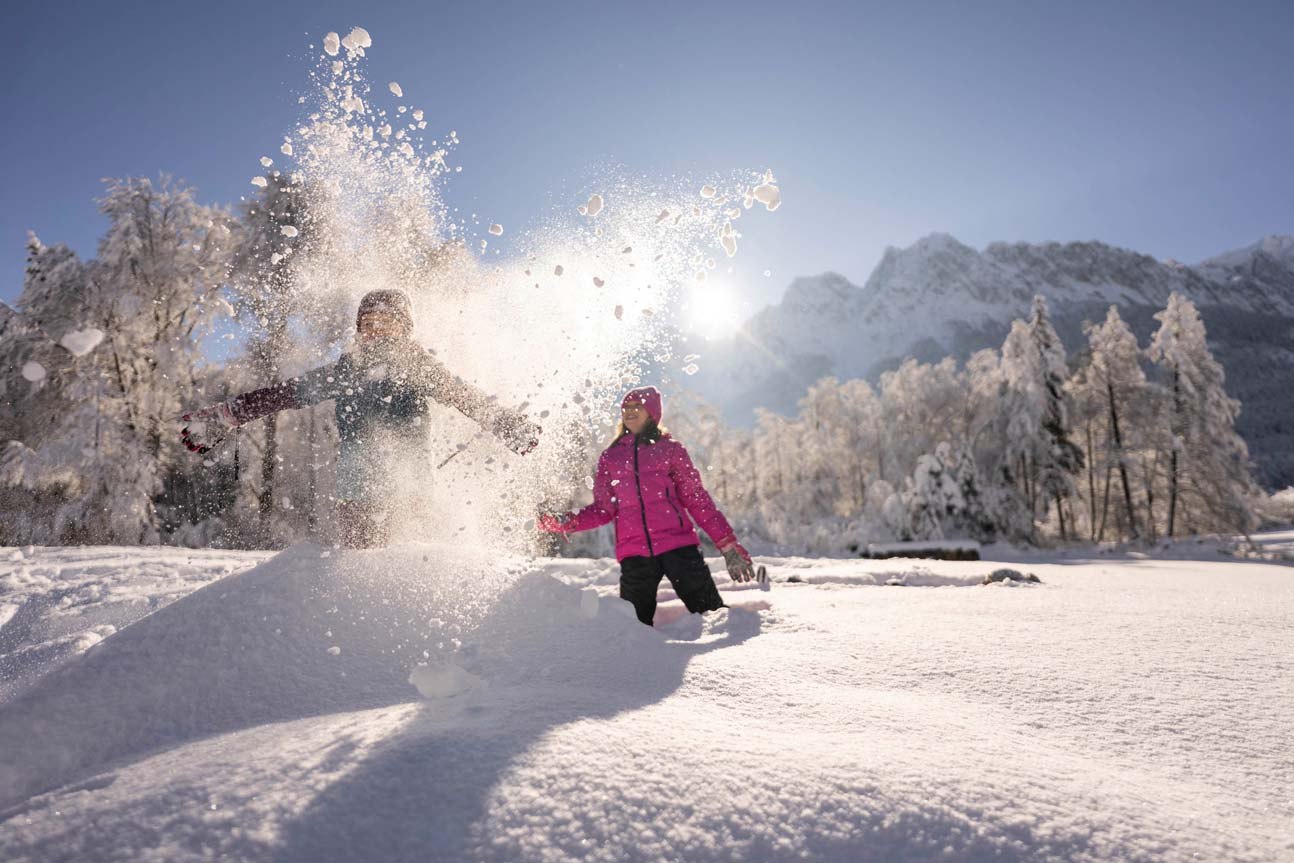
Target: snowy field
[173,705]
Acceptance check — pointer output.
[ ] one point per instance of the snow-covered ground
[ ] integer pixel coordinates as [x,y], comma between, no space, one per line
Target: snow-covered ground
[171,705]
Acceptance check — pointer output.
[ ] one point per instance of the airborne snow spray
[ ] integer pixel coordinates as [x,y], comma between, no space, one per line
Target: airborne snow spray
[571,318]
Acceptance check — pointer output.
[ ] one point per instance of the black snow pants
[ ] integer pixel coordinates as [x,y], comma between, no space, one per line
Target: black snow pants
[686,571]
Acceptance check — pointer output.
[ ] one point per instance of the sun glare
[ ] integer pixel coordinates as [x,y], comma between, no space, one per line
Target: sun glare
[713,310]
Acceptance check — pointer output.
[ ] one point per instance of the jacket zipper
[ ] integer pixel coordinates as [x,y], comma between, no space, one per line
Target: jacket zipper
[642,506]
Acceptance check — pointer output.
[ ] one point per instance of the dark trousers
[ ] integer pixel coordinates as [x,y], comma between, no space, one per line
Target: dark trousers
[686,571]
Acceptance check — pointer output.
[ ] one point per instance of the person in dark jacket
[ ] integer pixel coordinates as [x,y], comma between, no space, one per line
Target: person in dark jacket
[381,391]
[647,485]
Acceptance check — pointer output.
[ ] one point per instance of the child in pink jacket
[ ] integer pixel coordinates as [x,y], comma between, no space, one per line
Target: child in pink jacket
[646,484]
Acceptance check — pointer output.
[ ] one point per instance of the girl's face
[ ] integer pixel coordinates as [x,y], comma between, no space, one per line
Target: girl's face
[634,416]
[379,326]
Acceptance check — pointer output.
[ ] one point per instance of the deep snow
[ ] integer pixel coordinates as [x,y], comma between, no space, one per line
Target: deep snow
[164,704]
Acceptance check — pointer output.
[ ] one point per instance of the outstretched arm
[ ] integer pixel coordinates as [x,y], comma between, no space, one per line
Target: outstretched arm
[596,514]
[204,429]
[511,427]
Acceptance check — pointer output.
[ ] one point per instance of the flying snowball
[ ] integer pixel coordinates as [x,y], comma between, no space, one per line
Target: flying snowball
[33,371]
[260,182]
[288,231]
[357,40]
[593,207]
[396,89]
[497,230]
[768,195]
[266,161]
[332,42]
[80,342]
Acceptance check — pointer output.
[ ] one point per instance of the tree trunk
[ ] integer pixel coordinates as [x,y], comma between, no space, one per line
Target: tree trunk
[265,499]
[1105,503]
[1123,466]
[272,352]
[312,476]
[1091,484]
[1178,428]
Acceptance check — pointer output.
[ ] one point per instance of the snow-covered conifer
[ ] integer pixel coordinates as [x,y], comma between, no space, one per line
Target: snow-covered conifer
[1208,477]
[1043,457]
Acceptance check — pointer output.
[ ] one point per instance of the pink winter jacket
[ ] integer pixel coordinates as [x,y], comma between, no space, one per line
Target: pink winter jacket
[649,490]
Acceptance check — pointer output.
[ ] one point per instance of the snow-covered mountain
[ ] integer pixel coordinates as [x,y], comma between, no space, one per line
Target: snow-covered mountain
[939,298]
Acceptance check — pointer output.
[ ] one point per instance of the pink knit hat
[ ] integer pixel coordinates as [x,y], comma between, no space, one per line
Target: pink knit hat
[649,397]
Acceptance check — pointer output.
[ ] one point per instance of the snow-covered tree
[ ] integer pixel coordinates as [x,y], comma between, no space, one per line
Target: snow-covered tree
[1111,394]
[275,228]
[1042,457]
[150,294]
[1208,476]
[42,382]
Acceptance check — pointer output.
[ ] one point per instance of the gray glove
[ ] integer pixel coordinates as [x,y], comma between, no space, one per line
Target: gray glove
[737,559]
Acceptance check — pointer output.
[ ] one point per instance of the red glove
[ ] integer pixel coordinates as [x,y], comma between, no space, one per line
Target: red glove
[204,429]
[551,524]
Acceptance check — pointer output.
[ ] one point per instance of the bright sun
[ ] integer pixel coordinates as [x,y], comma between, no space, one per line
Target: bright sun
[713,310]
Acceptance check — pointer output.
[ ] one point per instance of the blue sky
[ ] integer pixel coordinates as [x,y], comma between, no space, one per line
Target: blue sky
[1163,127]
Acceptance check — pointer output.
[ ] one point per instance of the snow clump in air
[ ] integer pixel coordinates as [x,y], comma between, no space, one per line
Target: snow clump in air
[593,207]
[266,161]
[707,191]
[332,43]
[357,40]
[396,89]
[260,182]
[288,231]
[80,342]
[767,193]
[497,230]
[33,371]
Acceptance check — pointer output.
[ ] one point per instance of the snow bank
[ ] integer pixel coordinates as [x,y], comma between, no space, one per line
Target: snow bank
[258,647]
[1128,711]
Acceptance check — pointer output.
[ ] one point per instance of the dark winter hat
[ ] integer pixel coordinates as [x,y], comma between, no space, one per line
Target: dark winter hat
[394,303]
[649,397]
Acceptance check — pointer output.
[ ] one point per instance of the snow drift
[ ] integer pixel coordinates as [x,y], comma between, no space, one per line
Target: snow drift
[429,703]
[312,632]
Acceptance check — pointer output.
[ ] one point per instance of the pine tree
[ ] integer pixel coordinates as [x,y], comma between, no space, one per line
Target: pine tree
[1113,388]
[1044,458]
[1209,482]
